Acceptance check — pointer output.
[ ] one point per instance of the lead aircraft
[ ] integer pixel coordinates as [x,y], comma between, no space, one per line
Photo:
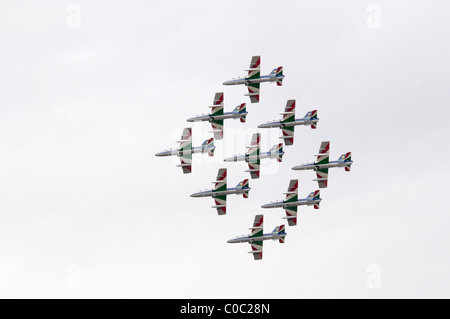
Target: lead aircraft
[254,155]
[185,151]
[220,191]
[291,202]
[288,122]
[217,115]
[254,78]
[322,164]
[256,237]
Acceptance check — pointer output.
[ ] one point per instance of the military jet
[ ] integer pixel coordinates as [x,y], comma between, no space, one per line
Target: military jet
[253,156]
[217,115]
[256,237]
[288,122]
[291,203]
[185,151]
[254,78]
[322,164]
[220,191]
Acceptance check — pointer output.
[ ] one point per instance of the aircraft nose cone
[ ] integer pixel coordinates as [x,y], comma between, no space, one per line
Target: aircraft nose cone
[159,154]
[265,206]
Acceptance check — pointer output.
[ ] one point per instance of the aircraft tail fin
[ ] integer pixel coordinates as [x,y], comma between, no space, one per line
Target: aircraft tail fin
[240,109]
[346,157]
[314,196]
[278,73]
[244,185]
[208,145]
[312,115]
[278,149]
[280,230]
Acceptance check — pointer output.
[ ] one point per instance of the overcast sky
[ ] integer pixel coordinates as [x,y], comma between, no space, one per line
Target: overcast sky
[91,90]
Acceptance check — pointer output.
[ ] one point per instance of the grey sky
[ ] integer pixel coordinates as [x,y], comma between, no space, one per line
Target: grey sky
[87,210]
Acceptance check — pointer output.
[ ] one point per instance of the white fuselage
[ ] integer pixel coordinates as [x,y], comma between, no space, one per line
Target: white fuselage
[288,124]
[210,118]
[244,80]
[229,191]
[248,239]
[245,157]
[300,202]
[320,166]
[177,152]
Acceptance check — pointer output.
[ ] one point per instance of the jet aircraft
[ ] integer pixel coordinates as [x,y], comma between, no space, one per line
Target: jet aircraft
[256,237]
[254,79]
[217,115]
[291,203]
[288,122]
[322,164]
[254,155]
[220,191]
[185,151]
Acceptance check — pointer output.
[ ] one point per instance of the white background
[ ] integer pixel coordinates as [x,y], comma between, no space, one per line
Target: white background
[91,90]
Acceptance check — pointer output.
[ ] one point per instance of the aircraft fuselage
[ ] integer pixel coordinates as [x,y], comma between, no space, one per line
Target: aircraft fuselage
[208,117]
[244,80]
[245,157]
[288,124]
[314,166]
[228,191]
[300,202]
[248,239]
[176,152]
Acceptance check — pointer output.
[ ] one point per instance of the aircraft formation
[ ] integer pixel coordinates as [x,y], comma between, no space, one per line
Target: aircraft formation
[253,156]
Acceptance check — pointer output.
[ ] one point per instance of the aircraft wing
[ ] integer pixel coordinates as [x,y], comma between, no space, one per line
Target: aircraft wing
[324,153]
[220,184]
[257,249]
[221,204]
[291,215]
[288,135]
[257,232]
[253,155]
[288,117]
[322,177]
[186,162]
[217,126]
[253,92]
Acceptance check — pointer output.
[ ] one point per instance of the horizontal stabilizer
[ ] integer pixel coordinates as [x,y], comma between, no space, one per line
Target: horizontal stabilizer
[252,170]
[251,94]
[255,252]
[289,217]
[252,69]
[183,165]
[320,179]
